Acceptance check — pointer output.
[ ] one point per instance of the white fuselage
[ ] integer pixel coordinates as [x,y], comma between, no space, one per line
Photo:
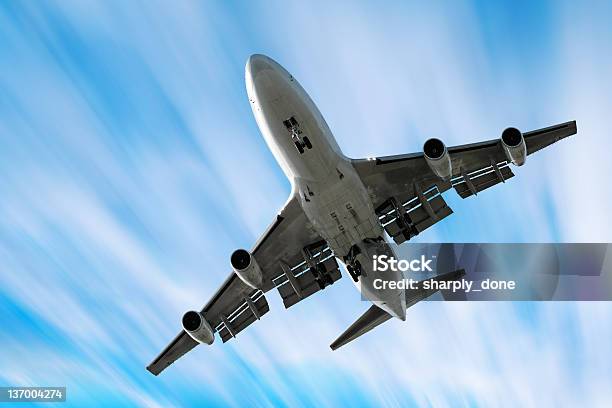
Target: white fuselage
[329,189]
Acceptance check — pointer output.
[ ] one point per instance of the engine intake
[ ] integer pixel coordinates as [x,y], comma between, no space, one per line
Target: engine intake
[437,158]
[246,267]
[514,146]
[198,328]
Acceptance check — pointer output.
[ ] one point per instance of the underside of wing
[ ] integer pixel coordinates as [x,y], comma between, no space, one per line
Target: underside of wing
[181,344]
[407,192]
[290,256]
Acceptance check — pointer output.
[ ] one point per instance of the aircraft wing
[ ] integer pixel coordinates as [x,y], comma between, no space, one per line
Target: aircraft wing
[292,258]
[407,194]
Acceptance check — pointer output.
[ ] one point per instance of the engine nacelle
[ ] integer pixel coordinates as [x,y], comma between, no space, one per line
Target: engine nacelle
[437,158]
[514,146]
[246,267]
[198,328]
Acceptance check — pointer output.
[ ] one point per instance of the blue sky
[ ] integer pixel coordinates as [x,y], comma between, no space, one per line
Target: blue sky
[131,167]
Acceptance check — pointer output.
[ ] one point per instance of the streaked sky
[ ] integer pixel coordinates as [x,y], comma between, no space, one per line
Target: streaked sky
[131,167]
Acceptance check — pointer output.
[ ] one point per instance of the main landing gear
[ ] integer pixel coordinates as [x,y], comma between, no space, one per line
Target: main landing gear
[301,142]
[322,277]
[354,270]
[352,264]
[316,258]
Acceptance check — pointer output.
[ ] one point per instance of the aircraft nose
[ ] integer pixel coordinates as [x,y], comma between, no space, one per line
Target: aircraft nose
[258,63]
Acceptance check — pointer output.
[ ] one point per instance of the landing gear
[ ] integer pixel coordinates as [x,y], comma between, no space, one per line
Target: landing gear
[301,142]
[318,259]
[355,270]
[353,266]
[322,277]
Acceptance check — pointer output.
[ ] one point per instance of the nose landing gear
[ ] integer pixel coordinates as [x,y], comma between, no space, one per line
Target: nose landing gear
[301,142]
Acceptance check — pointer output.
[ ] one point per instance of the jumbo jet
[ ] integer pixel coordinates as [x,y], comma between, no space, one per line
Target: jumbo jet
[341,210]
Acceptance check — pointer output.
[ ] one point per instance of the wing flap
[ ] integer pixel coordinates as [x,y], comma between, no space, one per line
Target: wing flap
[318,269]
[247,313]
[414,216]
[469,184]
[307,284]
[440,209]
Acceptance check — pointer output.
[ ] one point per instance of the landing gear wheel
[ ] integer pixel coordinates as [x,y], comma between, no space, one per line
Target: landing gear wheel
[352,272]
[322,278]
[299,147]
[358,269]
[307,142]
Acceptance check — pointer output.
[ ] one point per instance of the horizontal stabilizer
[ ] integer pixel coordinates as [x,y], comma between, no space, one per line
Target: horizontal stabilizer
[375,316]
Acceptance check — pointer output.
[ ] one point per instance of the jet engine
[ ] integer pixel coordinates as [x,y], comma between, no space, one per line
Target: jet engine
[437,158]
[514,146]
[198,328]
[246,267]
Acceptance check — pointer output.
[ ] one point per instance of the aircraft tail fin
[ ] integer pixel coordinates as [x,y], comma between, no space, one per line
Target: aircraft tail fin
[375,316]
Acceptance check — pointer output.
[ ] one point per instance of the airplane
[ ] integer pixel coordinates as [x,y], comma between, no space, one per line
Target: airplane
[341,209]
